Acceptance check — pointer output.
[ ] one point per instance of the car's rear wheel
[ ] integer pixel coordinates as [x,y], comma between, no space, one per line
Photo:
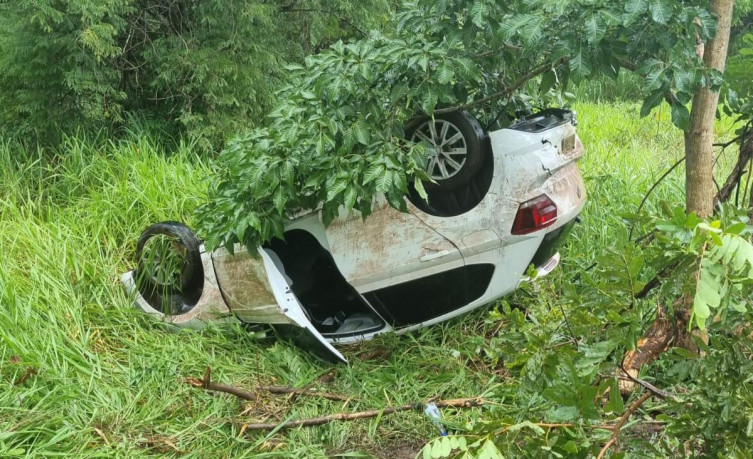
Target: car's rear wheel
[456,147]
[169,274]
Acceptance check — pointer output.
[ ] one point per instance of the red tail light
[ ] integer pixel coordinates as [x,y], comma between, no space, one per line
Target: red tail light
[534,215]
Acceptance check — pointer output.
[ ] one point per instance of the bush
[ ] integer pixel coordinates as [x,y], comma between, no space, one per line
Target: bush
[204,68]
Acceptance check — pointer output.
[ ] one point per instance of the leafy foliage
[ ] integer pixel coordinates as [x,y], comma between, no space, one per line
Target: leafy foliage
[207,68]
[107,377]
[564,387]
[336,137]
[739,67]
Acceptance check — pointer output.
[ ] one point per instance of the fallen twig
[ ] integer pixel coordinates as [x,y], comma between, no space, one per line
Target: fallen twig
[307,392]
[207,384]
[455,403]
[621,422]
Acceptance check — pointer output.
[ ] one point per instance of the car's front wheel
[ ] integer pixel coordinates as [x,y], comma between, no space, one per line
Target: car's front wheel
[456,147]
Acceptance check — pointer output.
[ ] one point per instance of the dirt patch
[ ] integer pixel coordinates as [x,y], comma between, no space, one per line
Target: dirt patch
[398,448]
[398,451]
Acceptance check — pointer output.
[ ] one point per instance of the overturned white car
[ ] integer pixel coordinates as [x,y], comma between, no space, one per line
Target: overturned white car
[502,201]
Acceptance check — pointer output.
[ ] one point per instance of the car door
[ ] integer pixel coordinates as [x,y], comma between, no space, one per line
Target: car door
[387,248]
[256,291]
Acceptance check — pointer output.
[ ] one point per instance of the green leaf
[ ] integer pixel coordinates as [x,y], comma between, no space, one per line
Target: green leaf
[615,404]
[419,186]
[384,183]
[429,101]
[661,10]
[532,32]
[680,116]
[737,228]
[479,11]
[349,200]
[489,451]
[701,312]
[653,100]
[373,172]
[580,65]
[739,306]
[526,425]
[654,79]
[278,199]
[445,73]
[446,447]
[436,449]
[706,297]
[595,28]
[423,62]
[427,451]
[548,80]
[362,133]
[633,9]
[685,81]
[454,442]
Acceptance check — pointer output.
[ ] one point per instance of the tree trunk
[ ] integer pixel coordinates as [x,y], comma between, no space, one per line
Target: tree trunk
[699,198]
[699,138]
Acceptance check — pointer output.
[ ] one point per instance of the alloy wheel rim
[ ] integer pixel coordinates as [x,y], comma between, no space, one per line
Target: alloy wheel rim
[450,150]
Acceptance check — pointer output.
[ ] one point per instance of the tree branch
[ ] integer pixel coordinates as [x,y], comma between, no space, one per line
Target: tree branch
[668,96]
[623,420]
[654,282]
[663,394]
[207,384]
[505,92]
[733,180]
[310,393]
[495,51]
[454,403]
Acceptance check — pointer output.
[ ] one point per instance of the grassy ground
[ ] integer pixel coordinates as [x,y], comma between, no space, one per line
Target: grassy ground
[82,373]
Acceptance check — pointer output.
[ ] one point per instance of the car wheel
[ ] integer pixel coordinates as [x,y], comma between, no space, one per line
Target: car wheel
[458,147]
[169,273]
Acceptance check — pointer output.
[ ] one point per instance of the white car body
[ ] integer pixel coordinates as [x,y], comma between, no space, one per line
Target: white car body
[385,255]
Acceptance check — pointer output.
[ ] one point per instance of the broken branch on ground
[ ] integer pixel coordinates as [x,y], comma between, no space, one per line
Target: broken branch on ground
[206,383]
[452,403]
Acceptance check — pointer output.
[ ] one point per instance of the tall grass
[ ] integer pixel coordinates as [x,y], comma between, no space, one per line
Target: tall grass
[625,88]
[82,373]
[104,379]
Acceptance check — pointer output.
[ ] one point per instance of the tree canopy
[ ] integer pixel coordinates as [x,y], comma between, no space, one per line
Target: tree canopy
[202,68]
[336,137]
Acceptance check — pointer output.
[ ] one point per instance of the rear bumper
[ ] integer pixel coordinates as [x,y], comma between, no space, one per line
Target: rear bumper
[552,241]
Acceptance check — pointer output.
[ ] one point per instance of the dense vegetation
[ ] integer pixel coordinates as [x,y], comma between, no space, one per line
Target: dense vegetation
[83,373]
[205,69]
[336,136]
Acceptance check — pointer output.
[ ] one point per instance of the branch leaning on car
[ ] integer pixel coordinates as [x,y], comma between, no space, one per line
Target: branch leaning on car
[507,91]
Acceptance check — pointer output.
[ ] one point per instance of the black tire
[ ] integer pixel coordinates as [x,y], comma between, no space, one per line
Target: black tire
[444,169]
[168,299]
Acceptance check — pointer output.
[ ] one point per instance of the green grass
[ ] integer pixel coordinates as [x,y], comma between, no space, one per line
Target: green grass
[100,379]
